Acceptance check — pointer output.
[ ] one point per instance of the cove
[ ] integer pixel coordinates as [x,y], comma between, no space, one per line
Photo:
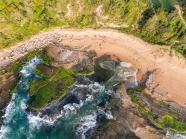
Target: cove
[75,116]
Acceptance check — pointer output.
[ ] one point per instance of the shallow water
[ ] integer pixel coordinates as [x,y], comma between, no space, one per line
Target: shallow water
[61,120]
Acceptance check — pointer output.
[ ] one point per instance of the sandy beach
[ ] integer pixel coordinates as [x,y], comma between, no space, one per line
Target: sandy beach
[168,79]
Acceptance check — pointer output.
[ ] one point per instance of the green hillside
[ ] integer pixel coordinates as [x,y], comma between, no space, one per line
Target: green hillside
[156,21]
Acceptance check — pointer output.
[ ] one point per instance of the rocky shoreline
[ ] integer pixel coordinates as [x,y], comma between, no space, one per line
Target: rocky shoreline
[78,52]
[11,55]
[143,56]
[136,125]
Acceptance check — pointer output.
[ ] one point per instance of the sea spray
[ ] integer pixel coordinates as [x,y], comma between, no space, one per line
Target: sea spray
[29,68]
[16,108]
[71,117]
[85,124]
[175,135]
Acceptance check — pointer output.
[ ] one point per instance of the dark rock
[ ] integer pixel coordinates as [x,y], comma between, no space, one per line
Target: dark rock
[75,95]
[100,73]
[46,70]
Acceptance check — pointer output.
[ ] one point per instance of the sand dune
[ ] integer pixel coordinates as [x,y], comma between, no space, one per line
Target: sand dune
[169,71]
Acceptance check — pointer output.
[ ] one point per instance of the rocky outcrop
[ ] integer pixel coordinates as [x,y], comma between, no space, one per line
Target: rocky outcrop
[7,82]
[128,121]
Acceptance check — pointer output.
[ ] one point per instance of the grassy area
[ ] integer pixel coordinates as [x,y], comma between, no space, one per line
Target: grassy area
[44,91]
[181,49]
[52,85]
[156,21]
[142,106]
[167,121]
[16,67]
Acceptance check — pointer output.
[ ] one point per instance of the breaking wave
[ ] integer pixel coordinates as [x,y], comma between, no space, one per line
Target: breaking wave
[174,135]
[74,116]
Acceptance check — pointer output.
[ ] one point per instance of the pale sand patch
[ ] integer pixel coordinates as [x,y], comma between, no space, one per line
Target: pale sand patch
[170,75]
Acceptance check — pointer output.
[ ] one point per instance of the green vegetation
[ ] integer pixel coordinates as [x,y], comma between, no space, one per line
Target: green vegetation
[167,121]
[44,91]
[171,122]
[13,89]
[34,54]
[156,21]
[142,106]
[181,49]
[16,67]
[104,123]
[103,74]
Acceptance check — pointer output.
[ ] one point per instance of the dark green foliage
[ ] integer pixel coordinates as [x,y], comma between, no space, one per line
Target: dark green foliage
[104,123]
[181,49]
[156,21]
[33,54]
[16,67]
[167,121]
[142,106]
[46,90]
[102,74]
[171,122]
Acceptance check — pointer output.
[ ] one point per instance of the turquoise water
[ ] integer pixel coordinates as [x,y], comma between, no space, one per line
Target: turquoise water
[70,120]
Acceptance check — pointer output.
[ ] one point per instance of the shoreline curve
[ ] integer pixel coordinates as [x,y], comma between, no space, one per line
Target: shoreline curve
[168,79]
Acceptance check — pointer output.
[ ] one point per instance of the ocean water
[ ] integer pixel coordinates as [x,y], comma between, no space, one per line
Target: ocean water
[74,116]
[66,118]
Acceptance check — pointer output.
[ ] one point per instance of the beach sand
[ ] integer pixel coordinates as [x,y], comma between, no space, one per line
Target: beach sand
[169,71]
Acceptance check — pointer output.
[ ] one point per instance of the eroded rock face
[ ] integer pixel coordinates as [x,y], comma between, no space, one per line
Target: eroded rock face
[128,121]
[76,59]
[101,73]
[77,94]
[86,63]
[7,82]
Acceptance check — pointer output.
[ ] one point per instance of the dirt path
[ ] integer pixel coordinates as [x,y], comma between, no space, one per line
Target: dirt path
[99,13]
[179,8]
[169,76]
[69,13]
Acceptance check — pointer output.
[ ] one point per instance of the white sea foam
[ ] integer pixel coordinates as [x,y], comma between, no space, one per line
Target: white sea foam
[129,76]
[86,123]
[133,80]
[108,115]
[89,98]
[35,122]
[31,65]
[13,108]
[174,135]
[95,87]
[110,65]
[23,104]
[10,109]
[69,107]
[4,130]
[125,64]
